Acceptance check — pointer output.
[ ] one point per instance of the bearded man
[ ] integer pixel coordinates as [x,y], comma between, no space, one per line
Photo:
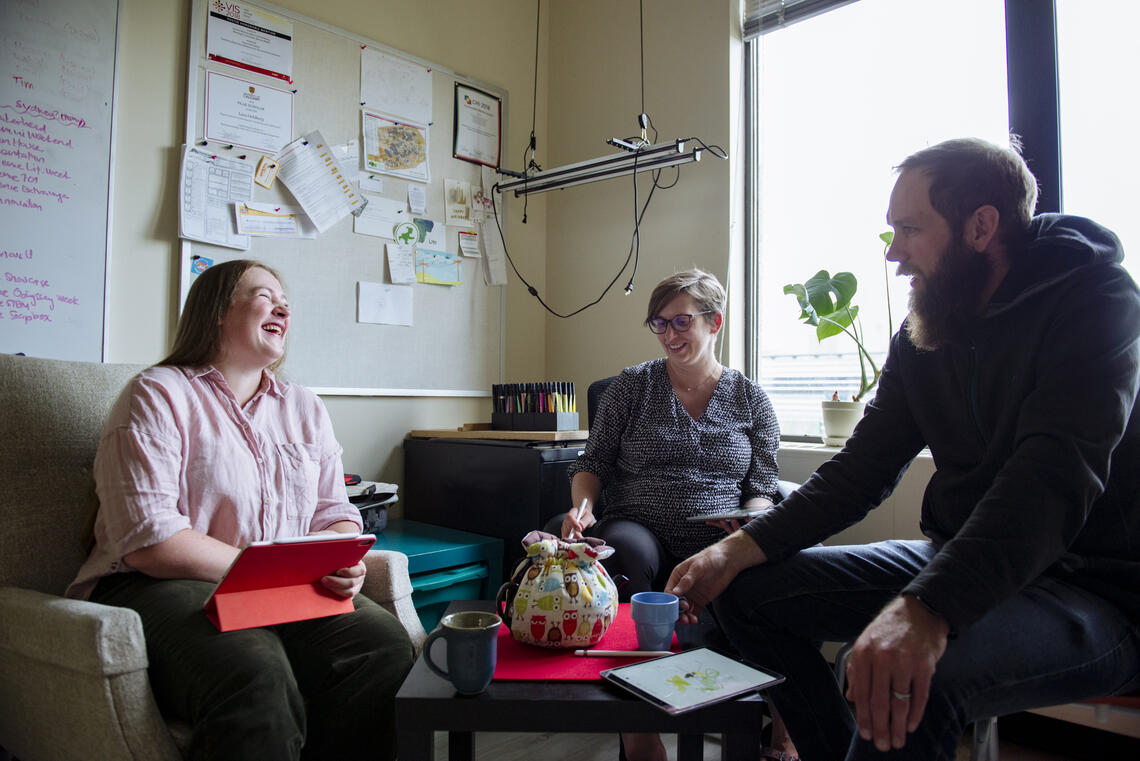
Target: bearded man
[1018,367]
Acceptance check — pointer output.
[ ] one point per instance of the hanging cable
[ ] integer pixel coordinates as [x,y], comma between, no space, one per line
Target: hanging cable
[531,163]
[641,27]
[534,291]
[636,145]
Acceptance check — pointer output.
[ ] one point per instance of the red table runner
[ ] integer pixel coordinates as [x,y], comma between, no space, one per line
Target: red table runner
[521,661]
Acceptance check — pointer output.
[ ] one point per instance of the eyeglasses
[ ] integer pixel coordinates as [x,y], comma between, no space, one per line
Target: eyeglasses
[680,322]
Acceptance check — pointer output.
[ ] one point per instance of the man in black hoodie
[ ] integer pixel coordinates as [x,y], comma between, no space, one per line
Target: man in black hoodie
[1018,367]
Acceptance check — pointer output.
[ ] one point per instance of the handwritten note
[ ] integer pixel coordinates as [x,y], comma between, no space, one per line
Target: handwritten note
[56,86]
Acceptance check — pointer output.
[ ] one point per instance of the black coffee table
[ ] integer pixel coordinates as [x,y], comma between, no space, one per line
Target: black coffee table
[426,703]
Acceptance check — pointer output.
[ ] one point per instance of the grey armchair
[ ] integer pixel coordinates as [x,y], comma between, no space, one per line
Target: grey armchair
[73,679]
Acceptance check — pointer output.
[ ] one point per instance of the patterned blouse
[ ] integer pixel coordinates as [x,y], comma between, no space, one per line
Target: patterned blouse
[658,465]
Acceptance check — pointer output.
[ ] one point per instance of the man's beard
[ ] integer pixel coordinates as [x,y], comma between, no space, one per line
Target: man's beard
[947,303]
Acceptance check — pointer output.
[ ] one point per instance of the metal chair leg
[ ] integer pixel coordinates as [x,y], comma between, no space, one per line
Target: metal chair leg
[841,658]
[985,744]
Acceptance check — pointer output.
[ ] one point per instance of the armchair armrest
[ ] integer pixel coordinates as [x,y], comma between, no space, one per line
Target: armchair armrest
[73,681]
[94,639]
[387,583]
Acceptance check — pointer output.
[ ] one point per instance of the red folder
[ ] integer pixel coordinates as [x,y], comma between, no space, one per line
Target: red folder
[280,581]
[519,661]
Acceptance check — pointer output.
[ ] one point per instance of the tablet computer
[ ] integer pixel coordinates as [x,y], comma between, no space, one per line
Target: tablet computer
[728,515]
[690,679]
[279,581]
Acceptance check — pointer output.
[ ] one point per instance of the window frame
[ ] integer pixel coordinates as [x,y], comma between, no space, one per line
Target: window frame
[1034,114]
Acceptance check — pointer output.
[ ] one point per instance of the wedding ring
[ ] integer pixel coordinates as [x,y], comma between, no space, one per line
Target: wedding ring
[900,695]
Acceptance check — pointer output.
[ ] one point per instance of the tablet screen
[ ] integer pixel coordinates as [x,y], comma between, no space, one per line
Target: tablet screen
[690,679]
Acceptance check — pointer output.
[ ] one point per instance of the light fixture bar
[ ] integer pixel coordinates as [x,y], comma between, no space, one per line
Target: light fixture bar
[603,168]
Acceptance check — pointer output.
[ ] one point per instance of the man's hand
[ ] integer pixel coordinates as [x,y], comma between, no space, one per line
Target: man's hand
[889,672]
[702,577]
[347,581]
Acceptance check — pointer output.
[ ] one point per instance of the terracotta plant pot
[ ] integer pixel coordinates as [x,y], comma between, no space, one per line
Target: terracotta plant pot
[839,419]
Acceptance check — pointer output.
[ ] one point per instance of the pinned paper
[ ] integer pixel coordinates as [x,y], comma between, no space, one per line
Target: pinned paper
[266,172]
[495,261]
[438,267]
[469,243]
[417,199]
[431,233]
[273,220]
[401,263]
[383,303]
[380,217]
[457,195]
[310,171]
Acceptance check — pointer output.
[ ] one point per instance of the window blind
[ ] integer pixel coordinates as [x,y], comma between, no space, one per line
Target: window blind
[763,16]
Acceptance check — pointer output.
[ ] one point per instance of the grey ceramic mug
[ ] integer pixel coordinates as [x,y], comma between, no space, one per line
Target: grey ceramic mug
[472,649]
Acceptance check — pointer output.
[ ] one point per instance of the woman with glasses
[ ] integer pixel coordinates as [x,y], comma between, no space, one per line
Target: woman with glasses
[672,440]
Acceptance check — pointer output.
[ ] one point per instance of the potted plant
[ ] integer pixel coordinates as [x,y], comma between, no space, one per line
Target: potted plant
[826,304]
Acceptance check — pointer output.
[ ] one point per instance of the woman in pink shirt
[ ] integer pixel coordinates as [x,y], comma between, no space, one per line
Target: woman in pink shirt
[201,455]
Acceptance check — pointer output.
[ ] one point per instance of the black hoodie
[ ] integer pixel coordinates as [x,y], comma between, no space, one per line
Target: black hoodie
[1030,419]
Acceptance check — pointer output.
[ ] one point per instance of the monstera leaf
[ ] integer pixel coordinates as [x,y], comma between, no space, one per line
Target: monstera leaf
[825,302]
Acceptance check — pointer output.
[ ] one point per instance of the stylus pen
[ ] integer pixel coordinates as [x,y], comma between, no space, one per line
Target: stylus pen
[622,653]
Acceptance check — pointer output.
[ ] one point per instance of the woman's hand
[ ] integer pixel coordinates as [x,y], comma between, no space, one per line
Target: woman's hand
[573,526]
[347,581]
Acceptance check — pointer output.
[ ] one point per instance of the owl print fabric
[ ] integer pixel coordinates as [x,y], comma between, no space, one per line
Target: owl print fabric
[560,596]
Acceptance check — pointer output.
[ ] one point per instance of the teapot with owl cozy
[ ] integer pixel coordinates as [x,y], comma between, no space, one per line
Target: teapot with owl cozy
[560,595]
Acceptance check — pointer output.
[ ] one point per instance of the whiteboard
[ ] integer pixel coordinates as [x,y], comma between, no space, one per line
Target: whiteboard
[57,88]
[455,344]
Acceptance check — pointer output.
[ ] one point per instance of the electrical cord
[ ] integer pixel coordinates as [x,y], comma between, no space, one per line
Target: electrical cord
[531,163]
[640,142]
[534,291]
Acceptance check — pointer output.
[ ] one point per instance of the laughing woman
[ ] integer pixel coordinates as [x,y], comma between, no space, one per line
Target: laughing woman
[201,455]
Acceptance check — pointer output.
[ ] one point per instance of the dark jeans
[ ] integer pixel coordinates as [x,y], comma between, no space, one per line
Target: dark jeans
[639,555]
[318,689]
[1051,644]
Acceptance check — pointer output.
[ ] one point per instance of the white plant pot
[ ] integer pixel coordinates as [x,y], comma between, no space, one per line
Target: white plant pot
[839,419]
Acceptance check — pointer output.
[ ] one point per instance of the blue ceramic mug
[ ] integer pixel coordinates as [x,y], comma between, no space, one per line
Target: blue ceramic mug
[472,649]
[654,616]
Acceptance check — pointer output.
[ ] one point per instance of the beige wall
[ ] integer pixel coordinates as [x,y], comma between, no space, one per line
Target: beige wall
[595,93]
[474,37]
[574,241]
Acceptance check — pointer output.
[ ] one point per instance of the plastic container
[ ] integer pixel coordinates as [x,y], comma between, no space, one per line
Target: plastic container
[432,592]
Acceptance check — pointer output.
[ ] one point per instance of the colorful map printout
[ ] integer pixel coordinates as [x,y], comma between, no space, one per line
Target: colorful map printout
[395,147]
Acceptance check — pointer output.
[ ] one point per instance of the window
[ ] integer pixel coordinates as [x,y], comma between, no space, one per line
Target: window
[837,100]
[1100,115]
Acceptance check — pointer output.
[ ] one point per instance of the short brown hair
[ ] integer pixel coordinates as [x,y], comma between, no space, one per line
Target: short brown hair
[198,337]
[701,286]
[968,173]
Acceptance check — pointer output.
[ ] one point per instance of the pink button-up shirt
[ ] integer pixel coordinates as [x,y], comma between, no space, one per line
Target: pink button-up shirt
[179,452]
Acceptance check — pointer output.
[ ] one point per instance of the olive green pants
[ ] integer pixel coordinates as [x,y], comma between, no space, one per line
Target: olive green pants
[318,689]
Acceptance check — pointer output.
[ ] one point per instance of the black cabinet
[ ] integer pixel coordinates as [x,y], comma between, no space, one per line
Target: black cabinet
[501,489]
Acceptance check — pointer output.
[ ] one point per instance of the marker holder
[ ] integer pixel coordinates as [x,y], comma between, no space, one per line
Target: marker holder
[534,421]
